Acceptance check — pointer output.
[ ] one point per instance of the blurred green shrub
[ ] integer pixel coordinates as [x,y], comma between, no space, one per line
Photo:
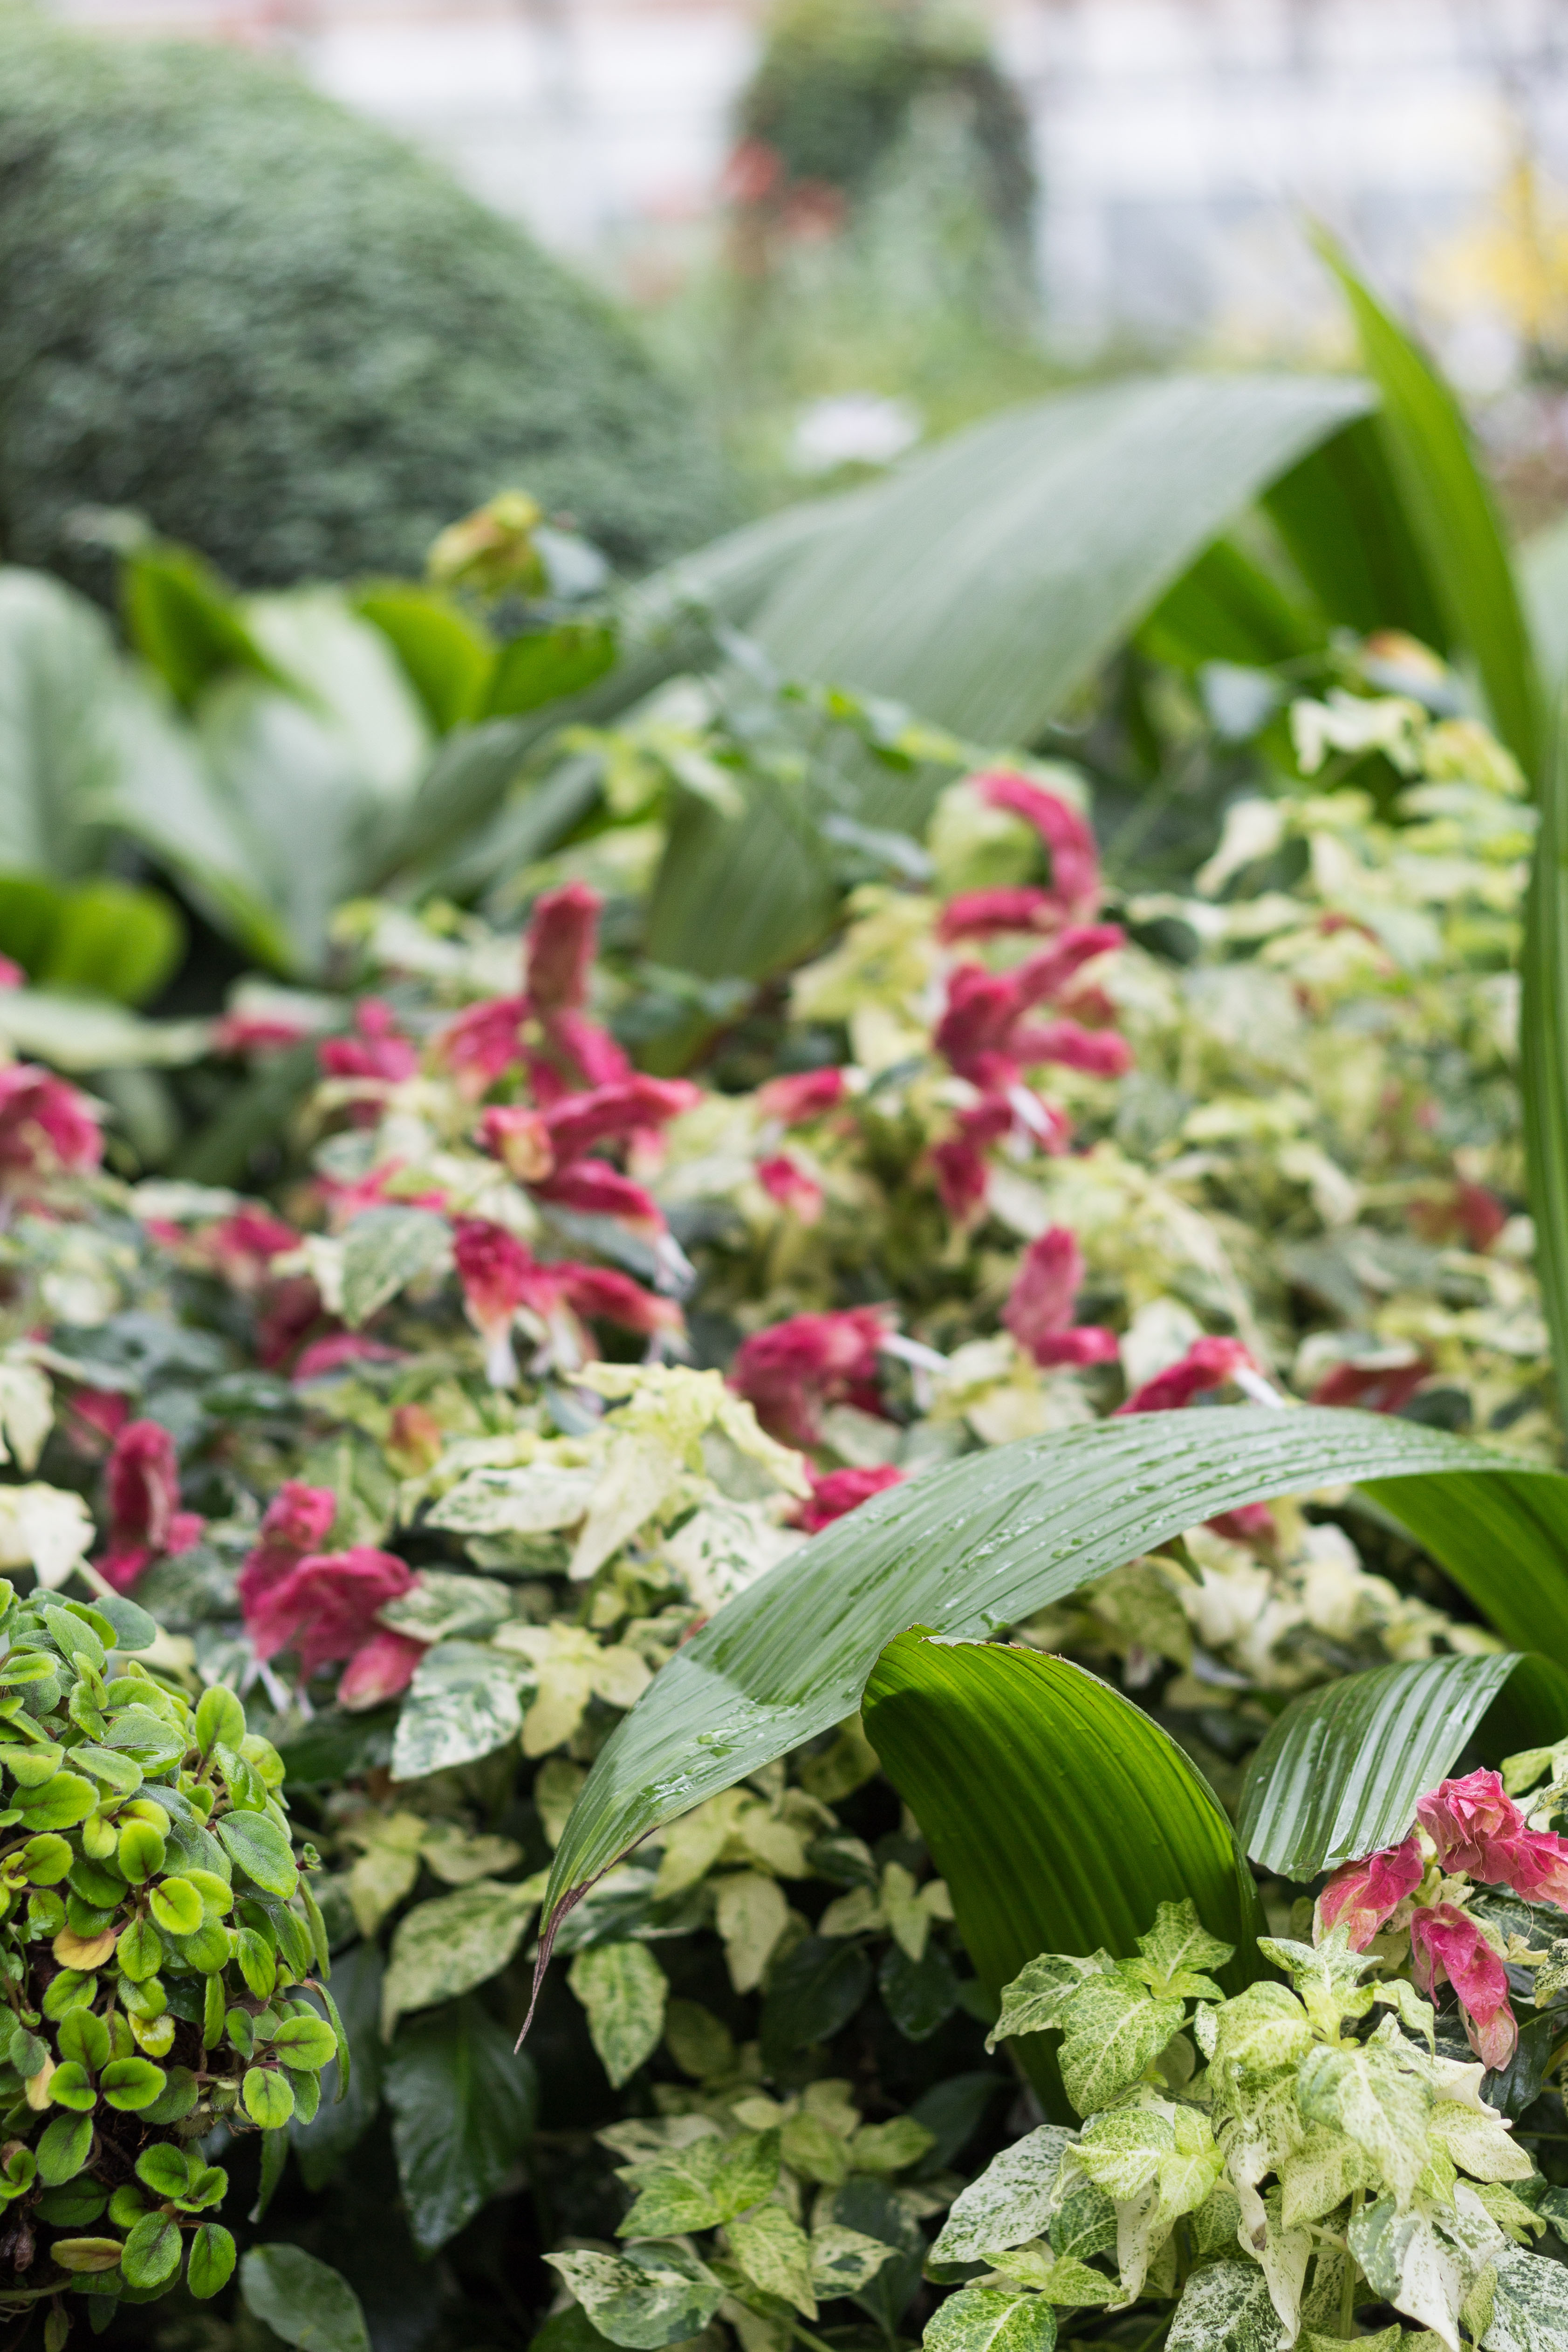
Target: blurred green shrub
[276,332]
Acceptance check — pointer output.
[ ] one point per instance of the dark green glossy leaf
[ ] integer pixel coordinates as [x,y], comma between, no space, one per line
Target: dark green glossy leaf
[183,620]
[1227,608]
[1339,1774]
[814,1990]
[305,2302]
[988,1541]
[918,1995]
[463,2110]
[1059,1815]
[1451,512]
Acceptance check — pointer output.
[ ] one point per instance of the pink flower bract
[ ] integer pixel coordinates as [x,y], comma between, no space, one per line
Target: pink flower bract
[325,1607]
[789,1372]
[1039,1312]
[46,1125]
[1363,1896]
[1447,1945]
[836,1492]
[1207,1364]
[143,1484]
[562,939]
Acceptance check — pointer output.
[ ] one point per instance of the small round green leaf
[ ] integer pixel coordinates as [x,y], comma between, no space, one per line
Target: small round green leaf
[210,2264]
[60,1803]
[176,1906]
[142,1851]
[140,1950]
[87,2253]
[165,2169]
[152,2250]
[132,2084]
[71,2086]
[83,2035]
[63,2149]
[45,1860]
[31,1767]
[268,2101]
[259,1847]
[306,2043]
[219,1716]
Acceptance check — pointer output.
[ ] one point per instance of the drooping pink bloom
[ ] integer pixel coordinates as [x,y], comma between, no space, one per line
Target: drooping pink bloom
[561,941]
[960,1161]
[520,1139]
[498,1276]
[1364,1896]
[341,1348]
[1477,1828]
[1039,1312]
[785,1180]
[242,1247]
[1207,1364]
[1100,1052]
[1467,1819]
[1447,1946]
[601,1294]
[376,1050]
[1248,1522]
[1074,859]
[791,1371]
[483,1042]
[803,1094]
[1470,1213]
[984,1031]
[325,1608]
[982,914]
[293,1309]
[11,974]
[379,1669]
[834,1492]
[574,1053]
[610,1113]
[97,1416]
[145,1521]
[593,1189]
[297,1522]
[1377,1388]
[47,1128]
[962,1177]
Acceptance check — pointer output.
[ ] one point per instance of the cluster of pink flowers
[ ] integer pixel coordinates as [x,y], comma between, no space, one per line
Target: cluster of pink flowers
[47,1127]
[987,1032]
[141,1482]
[1476,1831]
[325,1606]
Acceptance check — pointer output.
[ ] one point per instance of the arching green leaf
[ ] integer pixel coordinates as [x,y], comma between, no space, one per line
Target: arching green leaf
[986,1541]
[1059,1815]
[1340,1772]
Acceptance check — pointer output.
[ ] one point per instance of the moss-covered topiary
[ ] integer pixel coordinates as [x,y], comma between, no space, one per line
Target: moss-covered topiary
[285,339]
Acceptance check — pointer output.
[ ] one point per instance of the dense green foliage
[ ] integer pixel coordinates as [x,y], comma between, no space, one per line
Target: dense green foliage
[269,328]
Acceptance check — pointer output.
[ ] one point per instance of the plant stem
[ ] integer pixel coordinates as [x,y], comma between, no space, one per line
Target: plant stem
[812,2343]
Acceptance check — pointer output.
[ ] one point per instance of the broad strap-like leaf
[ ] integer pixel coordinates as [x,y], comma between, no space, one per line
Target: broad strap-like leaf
[1543,1049]
[1060,1816]
[1348,533]
[995,574]
[989,1540]
[1339,1774]
[1452,513]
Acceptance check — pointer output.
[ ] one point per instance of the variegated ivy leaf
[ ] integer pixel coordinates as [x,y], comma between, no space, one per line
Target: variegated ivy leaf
[1387,2339]
[1323,2170]
[1085,2223]
[385,1249]
[1518,2222]
[1225,2307]
[1183,2179]
[1283,2255]
[1010,2202]
[775,2254]
[27,1412]
[465,1700]
[751,1914]
[1211,2231]
[1120,2152]
[1483,2145]
[1062,2279]
[1257,2036]
[1417,2015]
[891,2147]
[459,1856]
[1372,2092]
[1551,1977]
[700,2186]
[1405,2263]
[1327,1975]
[844,2261]
[992,2319]
[446,1948]
[1175,1952]
[649,2297]
[623,1989]
[1114,2027]
[442,1604]
[534,1499]
[1529,2304]
[1034,2001]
